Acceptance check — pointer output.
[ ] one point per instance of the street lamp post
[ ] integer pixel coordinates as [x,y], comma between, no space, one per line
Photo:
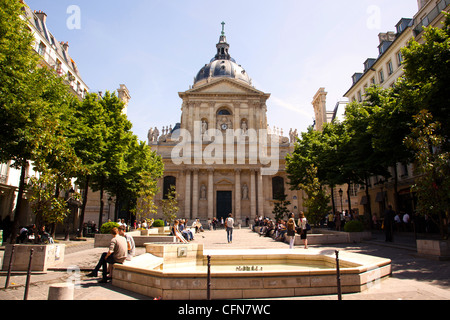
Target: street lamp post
[340,195]
[109,207]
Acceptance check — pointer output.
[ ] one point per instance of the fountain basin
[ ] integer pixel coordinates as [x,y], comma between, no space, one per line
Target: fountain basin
[179,272]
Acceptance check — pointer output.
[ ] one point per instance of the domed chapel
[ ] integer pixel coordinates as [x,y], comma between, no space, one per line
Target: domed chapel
[222,157]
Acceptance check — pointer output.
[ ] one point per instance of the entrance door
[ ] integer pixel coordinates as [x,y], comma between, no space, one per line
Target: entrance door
[224,204]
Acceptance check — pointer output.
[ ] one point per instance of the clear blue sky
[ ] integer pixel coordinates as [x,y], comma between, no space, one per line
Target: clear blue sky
[290,48]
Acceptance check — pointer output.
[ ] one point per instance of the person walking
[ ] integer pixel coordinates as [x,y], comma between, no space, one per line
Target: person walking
[291,232]
[229,225]
[302,222]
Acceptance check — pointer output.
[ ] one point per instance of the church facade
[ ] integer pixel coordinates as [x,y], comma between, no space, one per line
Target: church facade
[222,157]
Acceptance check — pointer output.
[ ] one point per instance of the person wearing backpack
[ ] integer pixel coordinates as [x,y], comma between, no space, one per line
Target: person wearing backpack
[302,224]
[229,225]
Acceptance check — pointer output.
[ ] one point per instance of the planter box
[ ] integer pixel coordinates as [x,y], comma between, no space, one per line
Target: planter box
[44,257]
[158,230]
[436,249]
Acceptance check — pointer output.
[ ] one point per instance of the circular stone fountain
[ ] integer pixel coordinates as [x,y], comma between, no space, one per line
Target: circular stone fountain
[179,272]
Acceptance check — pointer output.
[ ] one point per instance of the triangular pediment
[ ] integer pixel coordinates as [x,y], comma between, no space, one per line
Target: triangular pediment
[225,86]
[224,182]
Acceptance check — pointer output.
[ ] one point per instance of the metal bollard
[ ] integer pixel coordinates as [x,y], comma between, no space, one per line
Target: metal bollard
[27,285]
[338,273]
[209,279]
[10,267]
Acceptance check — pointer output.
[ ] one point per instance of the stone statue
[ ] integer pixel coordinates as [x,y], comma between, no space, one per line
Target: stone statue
[244,127]
[245,192]
[150,135]
[155,135]
[204,126]
[203,192]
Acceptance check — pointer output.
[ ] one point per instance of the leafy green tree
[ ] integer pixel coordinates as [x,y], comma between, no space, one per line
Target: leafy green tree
[316,200]
[170,205]
[433,169]
[306,153]
[280,209]
[88,132]
[427,76]
[19,110]
[34,110]
[424,91]
[389,124]
[115,140]
[138,181]
[363,160]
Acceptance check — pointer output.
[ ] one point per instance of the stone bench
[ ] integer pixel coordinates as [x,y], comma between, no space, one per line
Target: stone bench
[103,240]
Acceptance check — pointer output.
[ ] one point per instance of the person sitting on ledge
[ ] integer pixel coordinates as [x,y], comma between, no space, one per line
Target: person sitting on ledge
[176,232]
[117,253]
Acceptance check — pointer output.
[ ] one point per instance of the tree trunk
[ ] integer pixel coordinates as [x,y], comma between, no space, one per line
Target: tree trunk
[116,207]
[332,200]
[368,206]
[348,196]
[396,197]
[17,212]
[102,205]
[83,208]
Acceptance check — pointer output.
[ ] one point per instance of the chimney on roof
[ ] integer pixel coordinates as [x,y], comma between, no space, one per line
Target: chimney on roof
[65,46]
[41,15]
[387,36]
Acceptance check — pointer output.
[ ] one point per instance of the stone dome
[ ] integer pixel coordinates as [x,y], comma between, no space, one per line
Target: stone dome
[222,68]
[222,65]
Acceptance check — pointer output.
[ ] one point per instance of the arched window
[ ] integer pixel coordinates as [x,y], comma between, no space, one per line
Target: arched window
[169,181]
[277,188]
[224,112]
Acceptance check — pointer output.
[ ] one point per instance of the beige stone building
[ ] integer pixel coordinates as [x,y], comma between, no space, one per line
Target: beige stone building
[384,71]
[222,157]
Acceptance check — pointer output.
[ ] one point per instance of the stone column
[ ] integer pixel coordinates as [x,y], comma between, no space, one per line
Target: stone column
[187,198]
[210,193]
[252,194]
[260,193]
[238,196]
[195,195]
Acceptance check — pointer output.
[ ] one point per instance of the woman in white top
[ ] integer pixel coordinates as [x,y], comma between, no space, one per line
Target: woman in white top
[176,232]
[302,225]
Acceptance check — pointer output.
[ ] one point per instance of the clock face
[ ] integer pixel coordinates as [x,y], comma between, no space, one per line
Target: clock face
[224,126]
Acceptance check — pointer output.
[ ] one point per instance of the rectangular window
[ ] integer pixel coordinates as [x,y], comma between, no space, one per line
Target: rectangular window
[42,49]
[390,68]
[372,81]
[381,75]
[399,58]
[59,67]
[4,170]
